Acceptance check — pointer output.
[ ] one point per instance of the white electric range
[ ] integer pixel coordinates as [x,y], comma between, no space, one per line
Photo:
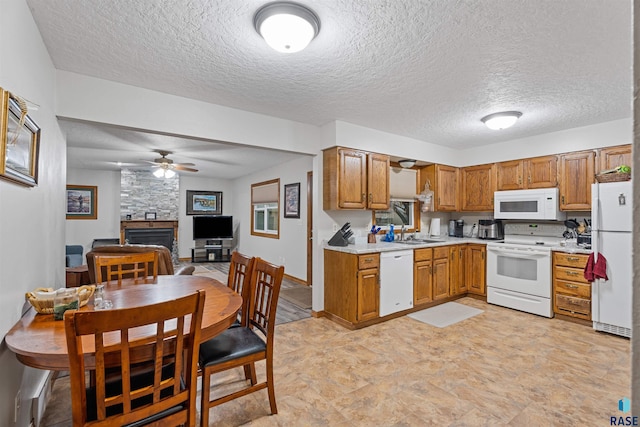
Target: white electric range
[519,268]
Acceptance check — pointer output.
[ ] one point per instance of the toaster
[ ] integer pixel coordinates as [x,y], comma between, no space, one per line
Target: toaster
[584,239]
[490,229]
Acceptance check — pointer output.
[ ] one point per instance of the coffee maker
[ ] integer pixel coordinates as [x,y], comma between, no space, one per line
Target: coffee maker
[459,230]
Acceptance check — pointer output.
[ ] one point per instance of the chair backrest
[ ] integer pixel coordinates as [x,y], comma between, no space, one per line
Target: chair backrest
[165,263]
[140,267]
[263,302]
[73,255]
[240,271]
[165,353]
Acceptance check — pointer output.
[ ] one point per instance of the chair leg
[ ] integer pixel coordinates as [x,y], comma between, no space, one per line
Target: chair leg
[270,387]
[252,373]
[247,373]
[204,394]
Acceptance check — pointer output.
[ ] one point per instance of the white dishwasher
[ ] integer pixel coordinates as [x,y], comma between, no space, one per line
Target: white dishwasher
[396,281]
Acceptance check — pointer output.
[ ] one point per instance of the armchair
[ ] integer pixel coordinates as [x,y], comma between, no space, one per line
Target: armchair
[73,255]
[165,265]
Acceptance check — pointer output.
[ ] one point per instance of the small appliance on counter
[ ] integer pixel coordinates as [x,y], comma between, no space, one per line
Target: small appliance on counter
[490,229]
[459,228]
[434,228]
[452,228]
[584,240]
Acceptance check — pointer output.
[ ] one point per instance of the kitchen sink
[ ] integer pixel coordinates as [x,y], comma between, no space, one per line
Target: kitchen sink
[416,241]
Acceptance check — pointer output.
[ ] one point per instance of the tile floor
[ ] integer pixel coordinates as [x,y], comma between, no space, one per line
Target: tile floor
[499,368]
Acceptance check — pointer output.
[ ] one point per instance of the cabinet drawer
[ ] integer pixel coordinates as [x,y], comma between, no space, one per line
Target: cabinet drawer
[441,252]
[573,305]
[570,274]
[580,290]
[570,260]
[422,254]
[368,261]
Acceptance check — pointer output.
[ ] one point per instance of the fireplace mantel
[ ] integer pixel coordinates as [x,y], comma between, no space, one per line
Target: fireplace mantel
[158,223]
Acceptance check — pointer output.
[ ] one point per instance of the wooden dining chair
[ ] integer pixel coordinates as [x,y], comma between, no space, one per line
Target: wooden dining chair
[240,270]
[157,393]
[139,266]
[245,345]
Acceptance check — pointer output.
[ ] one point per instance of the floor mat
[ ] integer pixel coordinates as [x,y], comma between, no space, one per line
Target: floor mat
[298,296]
[445,314]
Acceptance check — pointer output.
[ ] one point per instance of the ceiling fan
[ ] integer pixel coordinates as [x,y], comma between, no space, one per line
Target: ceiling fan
[166,166]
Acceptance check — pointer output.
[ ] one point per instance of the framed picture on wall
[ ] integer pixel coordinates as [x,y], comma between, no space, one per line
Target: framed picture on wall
[82,202]
[19,142]
[292,200]
[204,202]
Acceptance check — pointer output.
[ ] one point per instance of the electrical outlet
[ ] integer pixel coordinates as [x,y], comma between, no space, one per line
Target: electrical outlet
[17,406]
[335,228]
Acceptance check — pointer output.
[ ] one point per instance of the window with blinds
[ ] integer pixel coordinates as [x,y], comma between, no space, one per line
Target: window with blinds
[265,199]
[403,206]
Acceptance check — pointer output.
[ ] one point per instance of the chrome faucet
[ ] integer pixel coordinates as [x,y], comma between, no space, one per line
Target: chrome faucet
[402,233]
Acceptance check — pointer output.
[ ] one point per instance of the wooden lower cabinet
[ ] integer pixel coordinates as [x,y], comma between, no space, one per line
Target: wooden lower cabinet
[422,276]
[571,291]
[440,272]
[352,286]
[476,269]
[457,267]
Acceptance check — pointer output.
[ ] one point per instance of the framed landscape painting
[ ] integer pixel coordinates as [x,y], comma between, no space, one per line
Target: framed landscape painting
[204,202]
[82,202]
[19,142]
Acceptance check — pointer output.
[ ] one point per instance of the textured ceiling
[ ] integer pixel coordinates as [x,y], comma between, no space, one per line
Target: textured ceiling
[428,70]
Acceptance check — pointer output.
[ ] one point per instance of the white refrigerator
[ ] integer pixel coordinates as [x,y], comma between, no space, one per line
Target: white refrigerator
[611,222]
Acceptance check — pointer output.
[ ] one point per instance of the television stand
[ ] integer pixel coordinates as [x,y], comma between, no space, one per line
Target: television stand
[212,251]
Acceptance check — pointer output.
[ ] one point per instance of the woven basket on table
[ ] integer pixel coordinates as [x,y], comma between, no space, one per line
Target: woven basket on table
[45,306]
[613,177]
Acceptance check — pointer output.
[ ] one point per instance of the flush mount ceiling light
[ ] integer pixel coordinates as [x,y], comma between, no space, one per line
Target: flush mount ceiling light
[287,27]
[164,173]
[407,163]
[502,120]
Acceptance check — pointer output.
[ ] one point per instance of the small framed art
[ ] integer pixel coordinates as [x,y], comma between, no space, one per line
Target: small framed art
[82,202]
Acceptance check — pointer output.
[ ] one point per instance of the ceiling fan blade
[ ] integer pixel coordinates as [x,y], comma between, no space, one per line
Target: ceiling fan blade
[184,168]
[148,161]
[184,164]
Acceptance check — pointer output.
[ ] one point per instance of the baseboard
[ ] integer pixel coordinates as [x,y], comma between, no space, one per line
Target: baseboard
[295,280]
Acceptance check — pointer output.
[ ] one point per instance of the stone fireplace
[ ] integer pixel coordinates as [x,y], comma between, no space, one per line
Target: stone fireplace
[155,232]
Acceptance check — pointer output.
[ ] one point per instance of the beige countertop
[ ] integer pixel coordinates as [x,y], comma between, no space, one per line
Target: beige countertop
[380,246]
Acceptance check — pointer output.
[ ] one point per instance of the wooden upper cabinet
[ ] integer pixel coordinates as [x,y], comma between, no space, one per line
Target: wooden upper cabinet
[576,176]
[478,186]
[536,172]
[355,179]
[611,157]
[378,181]
[510,175]
[541,172]
[444,183]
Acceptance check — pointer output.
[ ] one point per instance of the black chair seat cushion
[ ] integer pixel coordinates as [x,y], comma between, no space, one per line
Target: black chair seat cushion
[138,380]
[232,344]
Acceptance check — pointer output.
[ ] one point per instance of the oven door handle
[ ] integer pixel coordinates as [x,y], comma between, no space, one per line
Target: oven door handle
[520,253]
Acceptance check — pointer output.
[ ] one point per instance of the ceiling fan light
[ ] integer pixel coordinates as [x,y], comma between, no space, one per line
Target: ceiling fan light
[407,163]
[286,27]
[169,173]
[503,120]
[158,173]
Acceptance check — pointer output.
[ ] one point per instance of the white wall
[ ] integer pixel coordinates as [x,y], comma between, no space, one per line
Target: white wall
[290,249]
[88,98]
[107,225]
[185,222]
[617,132]
[31,219]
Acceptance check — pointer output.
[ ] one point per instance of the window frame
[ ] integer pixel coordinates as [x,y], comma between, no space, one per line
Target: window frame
[416,218]
[276,208]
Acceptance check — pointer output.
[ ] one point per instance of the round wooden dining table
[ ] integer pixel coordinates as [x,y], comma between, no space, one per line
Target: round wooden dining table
[39,341]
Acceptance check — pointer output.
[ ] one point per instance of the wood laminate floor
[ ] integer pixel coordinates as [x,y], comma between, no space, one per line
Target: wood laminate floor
[499,368]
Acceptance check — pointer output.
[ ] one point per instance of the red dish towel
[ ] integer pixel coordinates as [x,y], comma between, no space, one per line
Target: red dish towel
[600,269]
[588,269]
[597,270]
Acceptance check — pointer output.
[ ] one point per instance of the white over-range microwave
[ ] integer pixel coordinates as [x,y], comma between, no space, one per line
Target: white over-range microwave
[538,204]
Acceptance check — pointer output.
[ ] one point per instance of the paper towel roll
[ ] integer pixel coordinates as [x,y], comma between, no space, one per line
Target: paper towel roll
[434,229]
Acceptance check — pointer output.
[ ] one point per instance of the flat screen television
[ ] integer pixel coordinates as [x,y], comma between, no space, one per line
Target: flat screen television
[208,227]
